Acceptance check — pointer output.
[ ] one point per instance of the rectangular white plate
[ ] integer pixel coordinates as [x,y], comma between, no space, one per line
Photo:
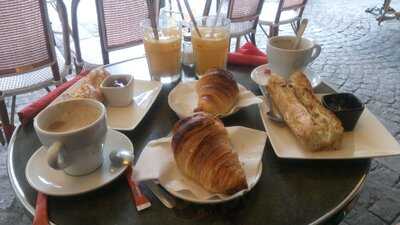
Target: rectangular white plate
[127,118]
[368,139]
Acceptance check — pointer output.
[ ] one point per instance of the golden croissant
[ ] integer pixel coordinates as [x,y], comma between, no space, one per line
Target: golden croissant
[217,92]
[203,152]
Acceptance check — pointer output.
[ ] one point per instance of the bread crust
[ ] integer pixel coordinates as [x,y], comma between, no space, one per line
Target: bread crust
[313,125]
[217,92]
[202,151]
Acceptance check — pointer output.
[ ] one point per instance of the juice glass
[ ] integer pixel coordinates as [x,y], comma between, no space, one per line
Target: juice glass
[211,49]
[163,55]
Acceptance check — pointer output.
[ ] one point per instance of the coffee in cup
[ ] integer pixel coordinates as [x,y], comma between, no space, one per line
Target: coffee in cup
[73,132]
[284,60]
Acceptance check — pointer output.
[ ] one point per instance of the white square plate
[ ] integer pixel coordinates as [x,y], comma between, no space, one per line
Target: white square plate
[127,118]
[368,139]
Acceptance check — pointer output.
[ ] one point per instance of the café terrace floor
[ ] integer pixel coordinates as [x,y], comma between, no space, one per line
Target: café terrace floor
[357,56]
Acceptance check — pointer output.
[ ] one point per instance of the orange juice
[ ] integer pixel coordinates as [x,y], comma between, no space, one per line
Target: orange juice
[164,55]
[211,49]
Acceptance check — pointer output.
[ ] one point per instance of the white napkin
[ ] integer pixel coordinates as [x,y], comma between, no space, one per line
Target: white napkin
[157,162]
[183,99]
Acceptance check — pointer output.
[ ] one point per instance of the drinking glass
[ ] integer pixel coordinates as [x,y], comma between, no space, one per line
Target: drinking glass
[210,49]
[163,55]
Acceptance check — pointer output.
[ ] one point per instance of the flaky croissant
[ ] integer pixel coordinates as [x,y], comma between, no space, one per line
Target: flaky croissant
[217,92]
[203,152]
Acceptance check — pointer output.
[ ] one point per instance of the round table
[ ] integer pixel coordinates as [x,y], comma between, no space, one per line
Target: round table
[289,191]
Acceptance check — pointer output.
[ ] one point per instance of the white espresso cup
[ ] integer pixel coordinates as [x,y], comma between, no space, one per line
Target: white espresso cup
[73,132]
[284,60]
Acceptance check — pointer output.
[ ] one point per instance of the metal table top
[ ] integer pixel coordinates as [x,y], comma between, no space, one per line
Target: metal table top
[289,191]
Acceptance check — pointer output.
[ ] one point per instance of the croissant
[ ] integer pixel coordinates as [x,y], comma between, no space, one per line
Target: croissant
[202,152]
[217,92]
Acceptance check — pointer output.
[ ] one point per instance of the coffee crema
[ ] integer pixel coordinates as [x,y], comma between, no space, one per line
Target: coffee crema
[73,118]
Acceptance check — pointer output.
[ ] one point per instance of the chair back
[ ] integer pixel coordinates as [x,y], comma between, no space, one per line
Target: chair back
[244,10]
[293,4]
[26,39]
[285,5]
[119,24]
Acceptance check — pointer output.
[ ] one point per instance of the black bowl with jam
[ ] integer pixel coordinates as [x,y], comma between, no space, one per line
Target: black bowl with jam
[346,106]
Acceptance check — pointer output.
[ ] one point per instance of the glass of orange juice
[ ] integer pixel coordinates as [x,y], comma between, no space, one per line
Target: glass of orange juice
[210,49]
[163,54]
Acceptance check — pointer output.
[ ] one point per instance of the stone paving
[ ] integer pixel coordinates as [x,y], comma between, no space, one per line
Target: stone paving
[358,56]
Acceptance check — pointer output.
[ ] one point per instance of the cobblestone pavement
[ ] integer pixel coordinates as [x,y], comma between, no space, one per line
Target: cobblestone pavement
[358,56]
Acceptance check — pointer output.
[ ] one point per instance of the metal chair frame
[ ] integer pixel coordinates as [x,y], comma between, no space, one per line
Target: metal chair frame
[50,62]
[251,18]
[274,26]
[105,49]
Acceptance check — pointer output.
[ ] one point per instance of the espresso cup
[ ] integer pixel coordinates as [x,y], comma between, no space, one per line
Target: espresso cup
[73,133]
[284,60]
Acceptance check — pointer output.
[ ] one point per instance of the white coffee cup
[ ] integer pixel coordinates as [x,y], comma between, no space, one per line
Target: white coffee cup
[284,60]
[73,132]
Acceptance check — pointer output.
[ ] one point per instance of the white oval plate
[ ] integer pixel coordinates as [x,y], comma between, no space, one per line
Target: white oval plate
[259,76]
[187,196]
[57,183]
[183,99]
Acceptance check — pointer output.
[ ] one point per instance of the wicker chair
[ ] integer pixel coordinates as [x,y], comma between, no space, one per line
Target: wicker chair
[119,26]
[28,58]
[243,15]
[274,14]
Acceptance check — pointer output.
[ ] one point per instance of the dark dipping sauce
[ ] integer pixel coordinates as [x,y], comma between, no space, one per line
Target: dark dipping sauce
[346,106]
[119,82]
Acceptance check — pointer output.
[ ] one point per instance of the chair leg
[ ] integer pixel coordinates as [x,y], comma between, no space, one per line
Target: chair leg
[263,30]
[8,128]
[237,43]
[14,98]
[253,38]
[273,31]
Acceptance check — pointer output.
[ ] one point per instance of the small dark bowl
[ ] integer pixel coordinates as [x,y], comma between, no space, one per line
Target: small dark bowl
[346,106]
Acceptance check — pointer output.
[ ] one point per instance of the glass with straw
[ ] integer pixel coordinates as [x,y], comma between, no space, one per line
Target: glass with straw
[162,44]
[210,43]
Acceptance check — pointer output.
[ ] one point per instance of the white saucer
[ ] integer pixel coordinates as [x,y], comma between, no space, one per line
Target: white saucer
[183,99]
[56,182]
[187,196]
[258,75]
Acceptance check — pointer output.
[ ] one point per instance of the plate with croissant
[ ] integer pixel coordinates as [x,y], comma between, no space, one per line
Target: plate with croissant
[119,118]
[311,131]
[216,92]
[204,162]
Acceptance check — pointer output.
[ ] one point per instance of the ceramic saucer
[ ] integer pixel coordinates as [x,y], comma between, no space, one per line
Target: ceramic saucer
[57,183]
[258,75]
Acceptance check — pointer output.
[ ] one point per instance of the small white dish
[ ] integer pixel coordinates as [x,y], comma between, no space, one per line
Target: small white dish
[260,77]
[368,139]
[118,90]
[57,183]
[187,196]
[183,99]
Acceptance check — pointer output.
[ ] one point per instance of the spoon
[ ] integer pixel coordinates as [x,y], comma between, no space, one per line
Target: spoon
[271,114]
[300,32]
[261,79]
[124,157]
